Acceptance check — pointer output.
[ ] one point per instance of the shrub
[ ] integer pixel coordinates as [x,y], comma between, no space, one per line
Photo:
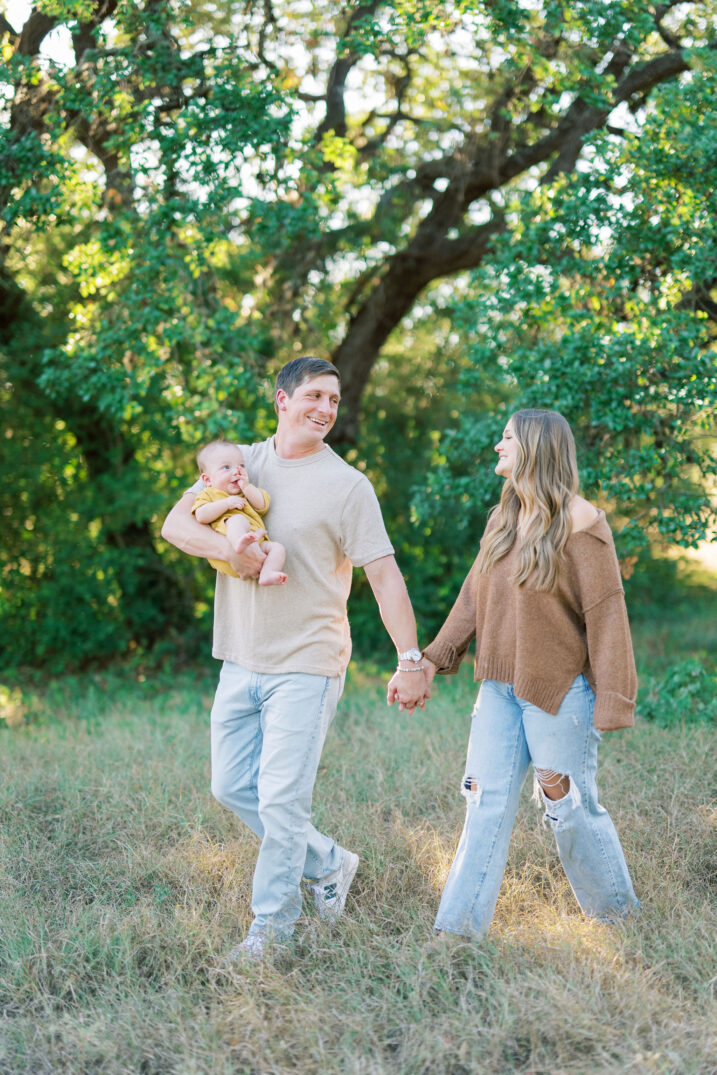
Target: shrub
[687,693]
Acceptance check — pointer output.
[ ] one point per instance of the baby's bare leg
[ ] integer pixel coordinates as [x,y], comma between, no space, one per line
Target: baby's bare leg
[237,526]
[271,573]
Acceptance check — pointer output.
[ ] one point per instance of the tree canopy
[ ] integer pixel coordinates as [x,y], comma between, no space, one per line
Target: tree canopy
[468,206]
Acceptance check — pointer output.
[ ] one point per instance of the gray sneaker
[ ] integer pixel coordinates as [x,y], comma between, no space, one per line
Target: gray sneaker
[330,894]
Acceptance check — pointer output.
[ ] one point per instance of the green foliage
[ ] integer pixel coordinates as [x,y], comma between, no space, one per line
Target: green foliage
[198,192]
[435,541]
[592,306]
[685,694]
[139,353]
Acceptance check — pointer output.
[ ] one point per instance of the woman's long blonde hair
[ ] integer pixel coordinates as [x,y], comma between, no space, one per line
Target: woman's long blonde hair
[542,486]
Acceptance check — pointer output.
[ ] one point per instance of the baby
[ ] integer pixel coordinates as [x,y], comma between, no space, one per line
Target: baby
[230,504]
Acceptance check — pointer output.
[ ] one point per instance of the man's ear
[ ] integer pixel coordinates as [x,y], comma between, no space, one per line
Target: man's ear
[281,398]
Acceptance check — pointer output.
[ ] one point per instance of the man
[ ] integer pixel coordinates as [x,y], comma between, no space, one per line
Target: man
[286,648]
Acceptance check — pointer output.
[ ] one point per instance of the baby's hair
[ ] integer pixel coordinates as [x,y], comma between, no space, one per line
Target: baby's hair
[204,453]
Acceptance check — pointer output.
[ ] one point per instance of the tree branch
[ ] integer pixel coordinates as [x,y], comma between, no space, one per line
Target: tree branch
[34,32]
[6,28]
[699,298]
[335,118]
[473,173]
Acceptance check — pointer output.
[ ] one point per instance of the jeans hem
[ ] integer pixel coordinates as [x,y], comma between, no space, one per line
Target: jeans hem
[470,935]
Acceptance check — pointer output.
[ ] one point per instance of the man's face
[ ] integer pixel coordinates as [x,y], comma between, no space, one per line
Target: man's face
[225,469]
[311,411]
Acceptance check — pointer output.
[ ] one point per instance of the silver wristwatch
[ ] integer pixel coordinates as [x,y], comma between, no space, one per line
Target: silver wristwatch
[413,655]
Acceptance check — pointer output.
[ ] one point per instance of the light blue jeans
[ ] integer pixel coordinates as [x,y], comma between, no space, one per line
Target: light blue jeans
[267,735]
[507,734]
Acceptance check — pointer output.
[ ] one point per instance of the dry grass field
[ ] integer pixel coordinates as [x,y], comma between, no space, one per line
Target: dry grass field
[122,884]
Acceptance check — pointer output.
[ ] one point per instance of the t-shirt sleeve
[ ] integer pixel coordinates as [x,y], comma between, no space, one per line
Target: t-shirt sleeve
[363,534]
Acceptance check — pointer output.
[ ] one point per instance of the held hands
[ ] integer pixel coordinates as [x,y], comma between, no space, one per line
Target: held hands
[411,689]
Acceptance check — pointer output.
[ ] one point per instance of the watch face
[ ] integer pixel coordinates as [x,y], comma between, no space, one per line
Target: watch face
[410,655]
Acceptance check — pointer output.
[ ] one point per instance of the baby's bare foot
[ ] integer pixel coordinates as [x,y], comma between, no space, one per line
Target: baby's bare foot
[250,538]
[272,578]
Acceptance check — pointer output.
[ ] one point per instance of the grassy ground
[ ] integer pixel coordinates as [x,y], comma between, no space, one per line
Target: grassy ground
[122,884]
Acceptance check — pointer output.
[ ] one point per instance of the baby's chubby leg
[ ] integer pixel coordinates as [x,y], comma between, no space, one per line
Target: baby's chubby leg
[271,573]
[237,526]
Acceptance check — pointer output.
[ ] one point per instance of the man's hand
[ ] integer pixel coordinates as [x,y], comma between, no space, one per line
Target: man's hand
[410,689]
[248,557]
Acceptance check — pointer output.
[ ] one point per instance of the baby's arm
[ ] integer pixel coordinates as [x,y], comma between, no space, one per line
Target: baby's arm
[256,497]
[214,509]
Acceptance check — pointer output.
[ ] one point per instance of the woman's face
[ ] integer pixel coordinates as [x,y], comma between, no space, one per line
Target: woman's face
[507,449]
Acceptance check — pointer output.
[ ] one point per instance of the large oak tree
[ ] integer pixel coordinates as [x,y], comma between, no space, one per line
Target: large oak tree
[190,196]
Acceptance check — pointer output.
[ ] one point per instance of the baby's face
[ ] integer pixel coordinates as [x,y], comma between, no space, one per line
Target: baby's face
[226,469]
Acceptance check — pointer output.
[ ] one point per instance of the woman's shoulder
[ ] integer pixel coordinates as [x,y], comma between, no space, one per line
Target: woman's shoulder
[590,545]
[583,514]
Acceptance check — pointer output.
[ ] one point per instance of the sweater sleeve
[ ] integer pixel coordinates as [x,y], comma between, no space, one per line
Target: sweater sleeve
[608,636]
[612,662]
[450,645]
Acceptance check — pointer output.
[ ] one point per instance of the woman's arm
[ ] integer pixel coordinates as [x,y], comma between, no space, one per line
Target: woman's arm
[612,662]
[607,629]
[450,645]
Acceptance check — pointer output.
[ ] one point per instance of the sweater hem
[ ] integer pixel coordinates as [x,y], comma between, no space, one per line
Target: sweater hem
[546,696]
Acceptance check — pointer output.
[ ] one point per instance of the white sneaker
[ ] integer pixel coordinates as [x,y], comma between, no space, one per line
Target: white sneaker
[330,894]
[252,949]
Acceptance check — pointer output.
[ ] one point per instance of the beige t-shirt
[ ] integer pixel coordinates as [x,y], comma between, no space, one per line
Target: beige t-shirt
[326,514]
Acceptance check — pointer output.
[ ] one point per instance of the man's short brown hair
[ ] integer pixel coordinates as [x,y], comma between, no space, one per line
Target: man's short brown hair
[303,369]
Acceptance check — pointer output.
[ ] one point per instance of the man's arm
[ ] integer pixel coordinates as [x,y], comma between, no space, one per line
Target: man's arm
[410,689]
[180,528]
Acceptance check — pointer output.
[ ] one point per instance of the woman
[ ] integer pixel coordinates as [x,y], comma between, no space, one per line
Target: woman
[544,600]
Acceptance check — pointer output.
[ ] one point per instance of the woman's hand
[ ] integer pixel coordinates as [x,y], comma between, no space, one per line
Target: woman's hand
[409,689]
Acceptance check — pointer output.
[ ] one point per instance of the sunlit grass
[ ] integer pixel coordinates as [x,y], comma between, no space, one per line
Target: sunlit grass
[122,884]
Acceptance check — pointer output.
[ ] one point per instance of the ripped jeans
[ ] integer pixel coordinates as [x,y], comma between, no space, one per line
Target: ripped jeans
[507,734]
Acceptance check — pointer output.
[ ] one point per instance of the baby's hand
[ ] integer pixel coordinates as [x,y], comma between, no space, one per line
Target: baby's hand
[235,502]
[243,476]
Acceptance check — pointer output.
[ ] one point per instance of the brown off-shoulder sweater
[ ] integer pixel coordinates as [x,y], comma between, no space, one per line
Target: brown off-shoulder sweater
[541,641]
